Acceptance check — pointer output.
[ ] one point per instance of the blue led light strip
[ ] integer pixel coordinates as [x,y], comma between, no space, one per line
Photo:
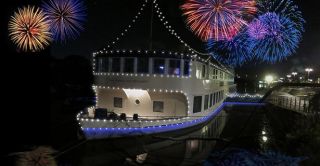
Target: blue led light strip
[98,133]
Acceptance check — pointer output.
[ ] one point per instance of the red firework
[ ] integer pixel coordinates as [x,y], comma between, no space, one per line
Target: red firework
[218,19]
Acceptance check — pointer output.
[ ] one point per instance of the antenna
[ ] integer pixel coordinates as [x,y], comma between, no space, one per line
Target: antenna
[151,28]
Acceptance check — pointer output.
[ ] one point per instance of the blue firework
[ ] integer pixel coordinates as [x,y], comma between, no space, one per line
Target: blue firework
[232,52]
[281,40]
[285,8]
[66,18]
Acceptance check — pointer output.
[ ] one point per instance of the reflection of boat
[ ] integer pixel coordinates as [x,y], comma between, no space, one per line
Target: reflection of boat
[155,151]
[152,91]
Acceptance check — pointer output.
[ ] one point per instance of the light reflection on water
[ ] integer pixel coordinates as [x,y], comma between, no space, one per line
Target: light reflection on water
[254,130]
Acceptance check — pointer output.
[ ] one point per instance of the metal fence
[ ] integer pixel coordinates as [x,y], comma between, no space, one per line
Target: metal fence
[299,104]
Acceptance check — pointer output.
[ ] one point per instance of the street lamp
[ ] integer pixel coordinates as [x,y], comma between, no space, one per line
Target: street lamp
[269,79]
[308,70]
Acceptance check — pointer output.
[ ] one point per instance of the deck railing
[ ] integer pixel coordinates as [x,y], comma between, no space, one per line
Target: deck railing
[294,103]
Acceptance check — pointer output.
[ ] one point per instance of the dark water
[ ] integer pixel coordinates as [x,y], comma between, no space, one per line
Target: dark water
[239,135]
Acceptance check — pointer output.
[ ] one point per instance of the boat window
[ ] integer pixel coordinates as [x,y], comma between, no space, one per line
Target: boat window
[117,102]
[102,64]
[215,74]
[137,101]
[128,65]
[143,65]
[158,66]
[186,68]
[214,99]
[115,65]
[197,102]
[158,106]
[206,100]
[203,71]
[211,73]
[222,94]
[211,98]
[217,97]
[174,67]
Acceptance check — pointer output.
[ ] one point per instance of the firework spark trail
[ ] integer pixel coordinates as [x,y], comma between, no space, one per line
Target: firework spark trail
[231,52]
[281,40]
[29,29]
[66,18]
[286,8]
[257,30]
[217,19]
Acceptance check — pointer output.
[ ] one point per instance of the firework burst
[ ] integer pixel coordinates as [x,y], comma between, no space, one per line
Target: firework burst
[285,8]
[257,30]
[217,19]
[66,18]
[231,52]
[281,40]
[29,29]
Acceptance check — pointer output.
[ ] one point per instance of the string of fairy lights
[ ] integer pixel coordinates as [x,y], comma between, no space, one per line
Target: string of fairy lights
[143,123]
[126,30]
[164,123]
[176,35]
[99,127]
[169,29]
[95,88]
[246,95]
[139,52]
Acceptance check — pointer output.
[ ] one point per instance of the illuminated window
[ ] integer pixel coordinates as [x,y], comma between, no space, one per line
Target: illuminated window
[117,102]
[158,106]
[174,67]
[158,66]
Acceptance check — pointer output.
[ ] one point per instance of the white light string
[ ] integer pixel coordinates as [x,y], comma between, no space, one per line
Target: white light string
[126,30]
[172,32]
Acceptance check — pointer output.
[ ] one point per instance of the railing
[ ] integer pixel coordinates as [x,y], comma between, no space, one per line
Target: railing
[280,85]
[299,104]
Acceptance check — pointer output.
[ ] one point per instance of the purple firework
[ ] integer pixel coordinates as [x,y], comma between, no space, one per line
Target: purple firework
[281,40]
[66,17]
[257,30]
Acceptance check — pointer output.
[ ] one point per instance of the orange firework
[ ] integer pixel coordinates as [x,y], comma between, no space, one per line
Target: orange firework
[29,29]
[218,19]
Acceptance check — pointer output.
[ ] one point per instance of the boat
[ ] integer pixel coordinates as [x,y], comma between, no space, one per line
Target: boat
[152,91]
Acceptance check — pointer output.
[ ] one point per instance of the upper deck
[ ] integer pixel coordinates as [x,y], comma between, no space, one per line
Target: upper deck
[158,70]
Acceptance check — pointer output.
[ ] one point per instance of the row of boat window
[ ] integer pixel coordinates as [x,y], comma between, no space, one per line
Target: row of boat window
[143,65]
[158,106]
[209,101]
[207,72]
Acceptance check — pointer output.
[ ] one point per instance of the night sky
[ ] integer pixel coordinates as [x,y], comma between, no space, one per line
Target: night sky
[107,19]
[26,76]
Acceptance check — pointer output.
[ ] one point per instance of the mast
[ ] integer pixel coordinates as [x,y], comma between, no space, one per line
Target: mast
[151,27]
